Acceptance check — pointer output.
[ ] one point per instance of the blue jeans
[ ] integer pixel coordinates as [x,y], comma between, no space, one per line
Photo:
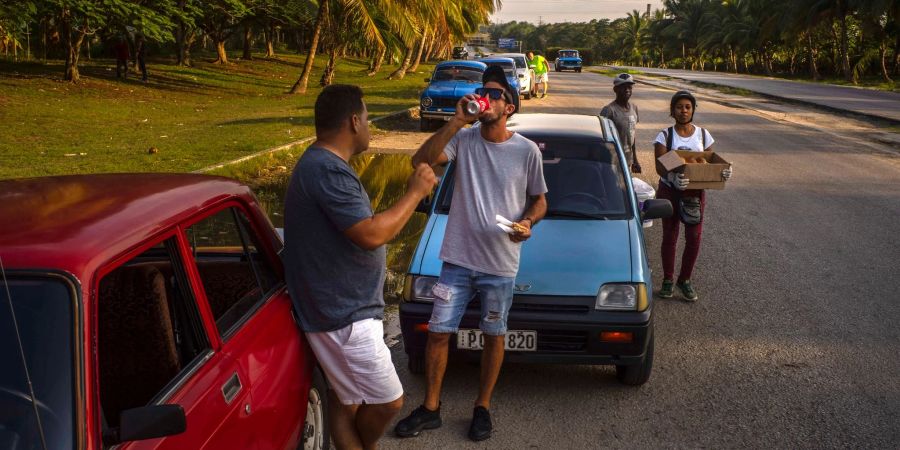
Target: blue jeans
[454,290]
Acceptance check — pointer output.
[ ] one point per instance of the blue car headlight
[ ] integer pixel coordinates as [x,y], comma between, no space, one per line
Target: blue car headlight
[622,297]
[426,102]
[418,288]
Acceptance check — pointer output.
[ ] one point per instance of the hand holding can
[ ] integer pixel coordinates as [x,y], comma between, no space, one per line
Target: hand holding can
[477,106]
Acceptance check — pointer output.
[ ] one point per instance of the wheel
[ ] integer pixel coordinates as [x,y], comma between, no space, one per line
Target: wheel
[578,70]
[425,124]
[416,364]
[638,374]
[527,95]
[315,427]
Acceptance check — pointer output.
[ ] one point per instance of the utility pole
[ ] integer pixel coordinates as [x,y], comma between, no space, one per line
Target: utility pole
[28,42]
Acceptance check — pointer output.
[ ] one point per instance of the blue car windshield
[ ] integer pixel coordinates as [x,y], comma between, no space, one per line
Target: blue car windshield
[568,54]
[456,73]
[584,180]
[44,314]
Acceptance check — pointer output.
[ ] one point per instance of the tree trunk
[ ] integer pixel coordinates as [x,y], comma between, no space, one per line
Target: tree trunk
[845,57]
[248,41]
[418,58]
[300,86]
[270,40]
[813,52]
[73,46]
[884,71]
[328,75]
[220,50]
[404,66]
[377,61]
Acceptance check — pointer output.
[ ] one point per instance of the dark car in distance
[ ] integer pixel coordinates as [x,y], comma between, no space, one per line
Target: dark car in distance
[460,53]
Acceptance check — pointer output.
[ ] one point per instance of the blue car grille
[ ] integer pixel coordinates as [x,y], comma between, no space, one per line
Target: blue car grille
[561,341]
[443,102]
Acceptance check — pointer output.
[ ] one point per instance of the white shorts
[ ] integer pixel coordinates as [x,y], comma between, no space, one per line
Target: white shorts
[542,78]
[357,363]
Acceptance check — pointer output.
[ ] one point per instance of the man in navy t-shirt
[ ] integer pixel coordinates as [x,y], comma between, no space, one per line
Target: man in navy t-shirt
[334,266]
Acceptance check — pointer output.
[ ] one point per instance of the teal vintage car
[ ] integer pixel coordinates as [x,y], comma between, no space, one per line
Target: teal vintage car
[568,60]
[583,291]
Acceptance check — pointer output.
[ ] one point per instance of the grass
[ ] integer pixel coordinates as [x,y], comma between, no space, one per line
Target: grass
[613,73]
[725,89]
[195,117]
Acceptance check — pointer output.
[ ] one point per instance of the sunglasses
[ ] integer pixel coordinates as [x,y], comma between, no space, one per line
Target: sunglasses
[492,93]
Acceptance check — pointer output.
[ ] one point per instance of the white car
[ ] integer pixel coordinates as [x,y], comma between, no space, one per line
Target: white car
[525,73]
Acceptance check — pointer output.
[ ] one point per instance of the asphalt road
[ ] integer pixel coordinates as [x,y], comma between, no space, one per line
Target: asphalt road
[795,341]
[867,102]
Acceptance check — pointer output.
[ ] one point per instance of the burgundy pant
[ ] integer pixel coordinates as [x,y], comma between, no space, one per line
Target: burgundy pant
[671,227]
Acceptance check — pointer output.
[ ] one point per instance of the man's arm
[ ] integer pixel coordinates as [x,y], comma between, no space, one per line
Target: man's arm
[432,150]
[537,209]
[375,231]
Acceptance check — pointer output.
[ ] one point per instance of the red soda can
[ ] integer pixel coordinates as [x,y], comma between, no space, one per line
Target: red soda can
[478,106]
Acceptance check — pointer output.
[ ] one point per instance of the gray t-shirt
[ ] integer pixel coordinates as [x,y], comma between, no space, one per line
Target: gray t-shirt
[491,178]
[626,123]
[332,281]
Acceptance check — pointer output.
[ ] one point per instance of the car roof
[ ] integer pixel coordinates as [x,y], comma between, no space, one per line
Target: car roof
[73,223]
[463,63]
[497,59]
[562,125]
[508,55]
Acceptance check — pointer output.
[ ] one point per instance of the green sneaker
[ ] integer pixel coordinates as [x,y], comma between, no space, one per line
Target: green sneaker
[667,289]
[687,291]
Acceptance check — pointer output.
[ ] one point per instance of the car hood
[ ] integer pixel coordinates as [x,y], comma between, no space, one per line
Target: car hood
[452,89]
[562,258]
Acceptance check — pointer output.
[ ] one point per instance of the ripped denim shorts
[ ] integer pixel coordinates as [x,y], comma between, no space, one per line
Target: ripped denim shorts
[454,290]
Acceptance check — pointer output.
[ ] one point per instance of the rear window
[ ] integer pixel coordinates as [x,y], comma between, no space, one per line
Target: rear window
[584,180]
[508,68]
[457,73]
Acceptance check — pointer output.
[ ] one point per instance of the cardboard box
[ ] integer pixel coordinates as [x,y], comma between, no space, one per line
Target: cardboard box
[702,175]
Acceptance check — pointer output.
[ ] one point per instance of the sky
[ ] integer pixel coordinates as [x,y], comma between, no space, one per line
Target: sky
[568,10]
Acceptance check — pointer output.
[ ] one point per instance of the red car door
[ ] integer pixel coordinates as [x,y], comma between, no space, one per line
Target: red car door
[244,289]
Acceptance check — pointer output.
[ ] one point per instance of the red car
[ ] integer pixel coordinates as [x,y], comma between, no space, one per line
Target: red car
[148,311]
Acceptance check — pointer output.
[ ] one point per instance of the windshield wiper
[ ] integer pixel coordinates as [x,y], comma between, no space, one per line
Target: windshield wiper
[12,312]
[569,213]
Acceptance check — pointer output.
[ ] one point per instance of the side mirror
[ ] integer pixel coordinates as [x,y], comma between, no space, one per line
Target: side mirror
[656,209]
[424,206]
[147,422]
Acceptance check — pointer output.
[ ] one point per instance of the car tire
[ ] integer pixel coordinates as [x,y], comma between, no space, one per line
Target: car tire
[315,434]
[637,374]
[527,95]
[425,124]
[578,70]
[416,364]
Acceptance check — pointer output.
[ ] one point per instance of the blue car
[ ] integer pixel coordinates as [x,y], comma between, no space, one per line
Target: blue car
[568,60]
[583,291]
[449,82]
[508,65]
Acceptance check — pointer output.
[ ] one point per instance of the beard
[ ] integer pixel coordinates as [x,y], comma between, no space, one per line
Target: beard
[489,120]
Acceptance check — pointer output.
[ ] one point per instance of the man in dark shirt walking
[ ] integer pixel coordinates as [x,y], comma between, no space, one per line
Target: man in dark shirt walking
[625,115]
[335,262]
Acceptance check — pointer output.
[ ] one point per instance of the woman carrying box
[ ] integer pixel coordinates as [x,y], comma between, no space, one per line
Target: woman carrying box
[687,204]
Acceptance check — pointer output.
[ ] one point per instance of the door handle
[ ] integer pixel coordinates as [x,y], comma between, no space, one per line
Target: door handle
[231,388]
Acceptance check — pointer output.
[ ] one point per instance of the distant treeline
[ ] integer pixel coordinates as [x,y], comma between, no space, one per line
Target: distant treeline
[818,38]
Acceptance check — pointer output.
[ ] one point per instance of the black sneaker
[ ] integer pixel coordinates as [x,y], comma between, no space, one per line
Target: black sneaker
[481,427]
[687,291]
[420,419]
[667,289]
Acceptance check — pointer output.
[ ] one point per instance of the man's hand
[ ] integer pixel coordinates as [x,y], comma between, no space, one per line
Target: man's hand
[522,236]
[461,114]
[422,181]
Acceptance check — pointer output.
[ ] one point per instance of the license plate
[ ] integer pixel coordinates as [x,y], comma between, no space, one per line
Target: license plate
[515,340]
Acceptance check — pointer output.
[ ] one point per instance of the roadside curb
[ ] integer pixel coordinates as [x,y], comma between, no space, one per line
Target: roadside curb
[891,139]
[291,144]
[781,98]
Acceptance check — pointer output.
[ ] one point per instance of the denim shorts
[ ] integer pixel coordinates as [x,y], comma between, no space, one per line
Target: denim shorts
[454,290]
